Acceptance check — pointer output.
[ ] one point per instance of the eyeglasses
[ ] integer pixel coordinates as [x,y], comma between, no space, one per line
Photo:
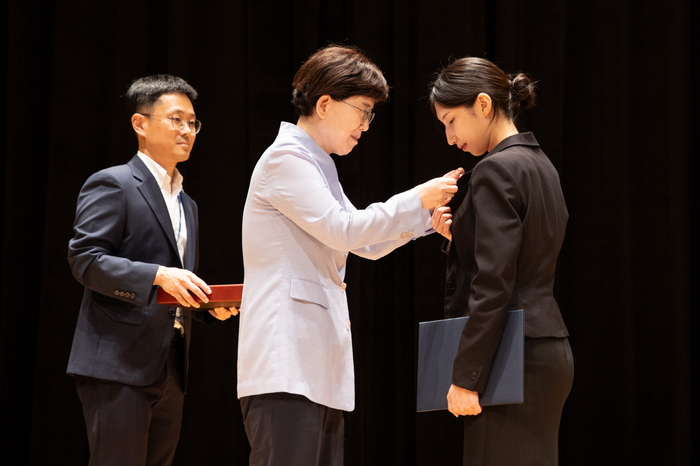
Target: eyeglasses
[368,116]
[179,123]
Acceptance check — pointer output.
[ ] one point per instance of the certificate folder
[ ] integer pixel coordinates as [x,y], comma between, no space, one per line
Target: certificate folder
[438,341]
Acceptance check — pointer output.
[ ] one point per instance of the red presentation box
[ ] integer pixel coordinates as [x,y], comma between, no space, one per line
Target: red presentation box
[221,296]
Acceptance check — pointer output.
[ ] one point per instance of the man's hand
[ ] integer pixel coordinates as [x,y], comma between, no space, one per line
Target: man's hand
[442,221]
[179,283]
[223,313]
[463,402]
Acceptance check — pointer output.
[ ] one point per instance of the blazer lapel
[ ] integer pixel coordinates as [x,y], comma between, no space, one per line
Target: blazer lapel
[330,171]
[323,161]
[463,187]
[192,232]
[151,192]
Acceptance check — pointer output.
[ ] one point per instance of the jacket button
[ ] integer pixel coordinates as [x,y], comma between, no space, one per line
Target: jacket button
[473,376]
[171,313]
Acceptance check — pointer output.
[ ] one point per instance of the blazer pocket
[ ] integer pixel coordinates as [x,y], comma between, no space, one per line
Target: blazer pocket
[124,313]
[310,292]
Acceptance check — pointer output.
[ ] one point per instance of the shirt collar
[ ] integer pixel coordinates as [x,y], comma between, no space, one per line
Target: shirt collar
[173,185]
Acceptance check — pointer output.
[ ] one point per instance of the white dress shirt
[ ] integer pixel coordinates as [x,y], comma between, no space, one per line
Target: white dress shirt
[170,188]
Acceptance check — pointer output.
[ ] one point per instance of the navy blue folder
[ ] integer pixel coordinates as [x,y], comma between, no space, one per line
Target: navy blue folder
[438,341]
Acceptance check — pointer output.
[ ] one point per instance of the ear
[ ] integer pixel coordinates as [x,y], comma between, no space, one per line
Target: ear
[323,106]
[483,105]
[137,122]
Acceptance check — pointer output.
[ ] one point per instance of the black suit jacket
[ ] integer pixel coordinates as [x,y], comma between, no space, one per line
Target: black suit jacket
[123,232]
[508,227]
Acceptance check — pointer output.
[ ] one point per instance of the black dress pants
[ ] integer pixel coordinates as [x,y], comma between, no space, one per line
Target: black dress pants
[131,425]
[525,434]
[290,430]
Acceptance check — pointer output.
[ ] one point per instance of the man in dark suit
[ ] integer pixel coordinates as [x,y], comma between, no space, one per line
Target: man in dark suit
[136,229]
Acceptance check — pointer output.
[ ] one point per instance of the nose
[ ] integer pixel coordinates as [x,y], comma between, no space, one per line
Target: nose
[451,138]
[364,126]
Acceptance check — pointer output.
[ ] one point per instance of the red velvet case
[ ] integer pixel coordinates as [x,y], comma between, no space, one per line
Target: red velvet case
[221,296]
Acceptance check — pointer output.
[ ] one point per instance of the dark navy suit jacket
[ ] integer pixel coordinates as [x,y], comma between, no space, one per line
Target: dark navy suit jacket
[123,232]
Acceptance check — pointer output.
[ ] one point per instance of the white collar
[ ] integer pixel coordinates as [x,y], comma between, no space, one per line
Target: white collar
[173,185]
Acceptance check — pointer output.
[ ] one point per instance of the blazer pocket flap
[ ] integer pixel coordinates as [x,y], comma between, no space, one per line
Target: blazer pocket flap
[126,314]
[304,290]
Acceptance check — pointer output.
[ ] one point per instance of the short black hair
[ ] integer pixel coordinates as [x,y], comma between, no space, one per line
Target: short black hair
[145,92]
[340,71]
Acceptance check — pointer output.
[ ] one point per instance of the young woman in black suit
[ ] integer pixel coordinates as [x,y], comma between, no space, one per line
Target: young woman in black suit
[504,232]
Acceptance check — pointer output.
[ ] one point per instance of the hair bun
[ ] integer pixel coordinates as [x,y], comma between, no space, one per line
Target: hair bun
[522,92]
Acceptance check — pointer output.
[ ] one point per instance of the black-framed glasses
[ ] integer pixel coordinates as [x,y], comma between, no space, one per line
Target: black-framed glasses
[178,123]
[368,116]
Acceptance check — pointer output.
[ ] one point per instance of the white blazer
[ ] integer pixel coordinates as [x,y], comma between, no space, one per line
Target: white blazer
[298,228]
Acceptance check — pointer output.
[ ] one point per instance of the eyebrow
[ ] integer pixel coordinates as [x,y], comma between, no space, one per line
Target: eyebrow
[441,118]
[366,105]
[179,110]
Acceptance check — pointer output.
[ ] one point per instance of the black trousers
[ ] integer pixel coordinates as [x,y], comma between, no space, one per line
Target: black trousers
[290,430]
[130,425]
[525,434]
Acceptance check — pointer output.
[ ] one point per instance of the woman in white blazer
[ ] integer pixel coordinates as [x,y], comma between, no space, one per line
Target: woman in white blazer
[295,367]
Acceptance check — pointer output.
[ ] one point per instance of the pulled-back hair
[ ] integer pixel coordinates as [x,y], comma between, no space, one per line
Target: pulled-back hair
[463,80]
[145,92]
[340,72]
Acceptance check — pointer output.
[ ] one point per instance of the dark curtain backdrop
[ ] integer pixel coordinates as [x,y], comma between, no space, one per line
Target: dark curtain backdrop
[616,114]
